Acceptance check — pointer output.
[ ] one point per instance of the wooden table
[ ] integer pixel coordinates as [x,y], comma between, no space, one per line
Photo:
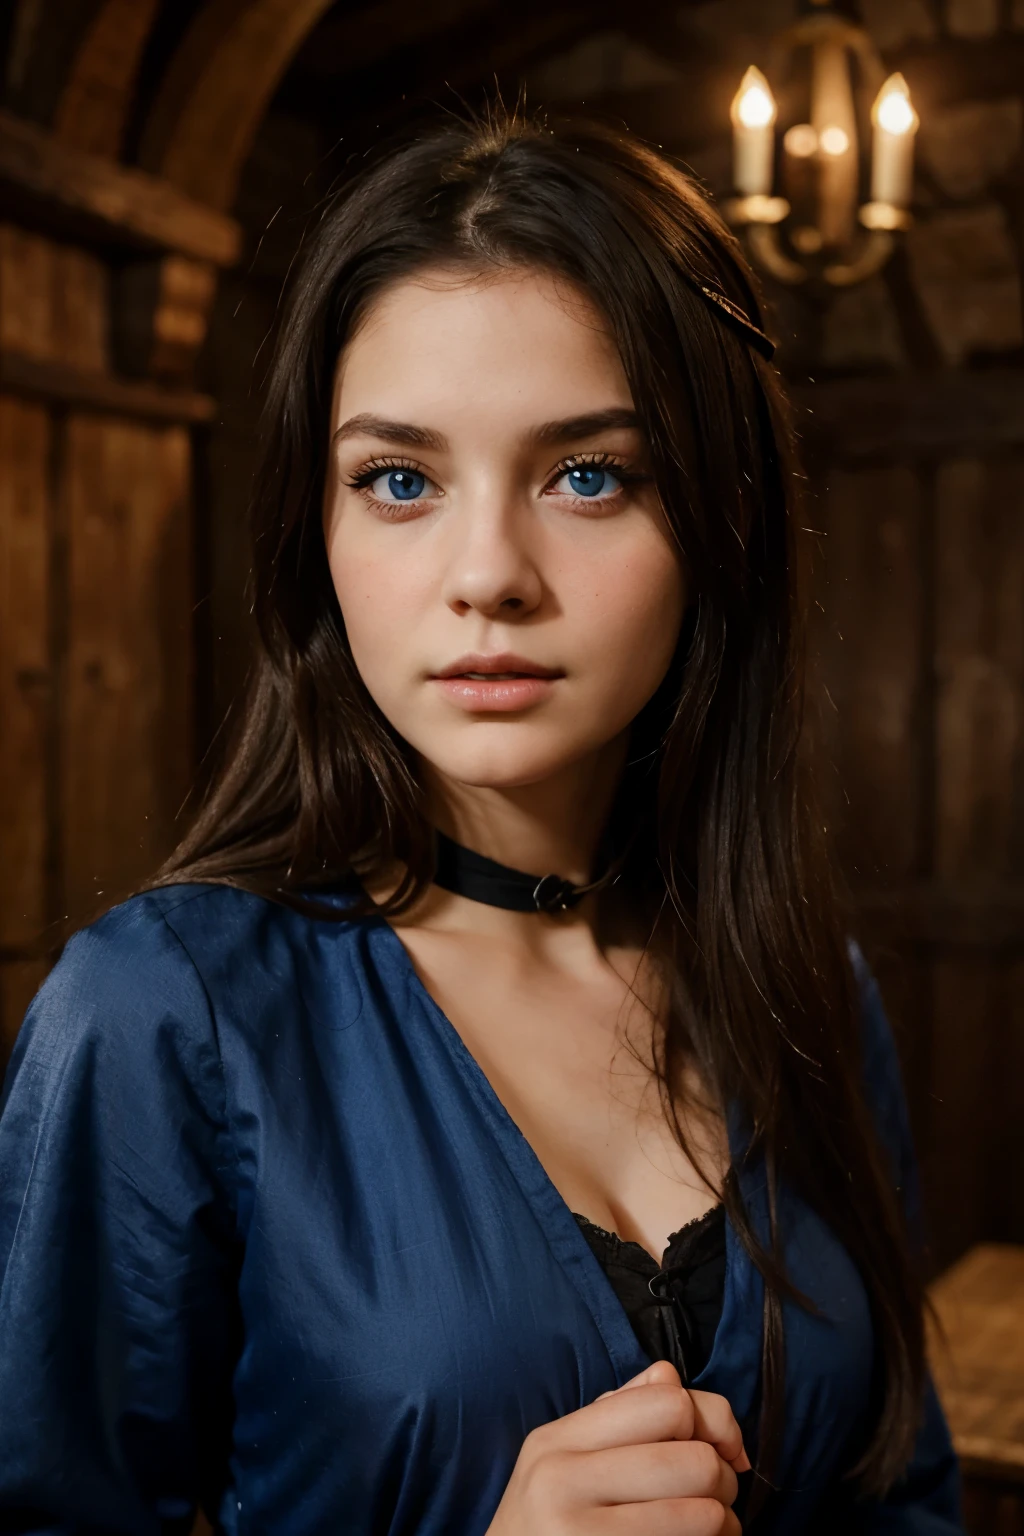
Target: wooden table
[977,1356]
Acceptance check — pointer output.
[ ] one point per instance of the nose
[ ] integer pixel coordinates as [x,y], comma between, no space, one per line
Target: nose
[492,569]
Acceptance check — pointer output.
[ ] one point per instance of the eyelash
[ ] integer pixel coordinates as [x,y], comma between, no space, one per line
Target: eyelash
[364,477]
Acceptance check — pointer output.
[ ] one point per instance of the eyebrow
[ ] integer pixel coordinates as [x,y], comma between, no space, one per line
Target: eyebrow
[548,433]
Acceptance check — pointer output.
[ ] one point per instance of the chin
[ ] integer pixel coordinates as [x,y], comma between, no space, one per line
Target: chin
[502,764]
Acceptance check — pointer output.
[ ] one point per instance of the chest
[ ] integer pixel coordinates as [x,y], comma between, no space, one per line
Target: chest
[415,1293]
[570,1057]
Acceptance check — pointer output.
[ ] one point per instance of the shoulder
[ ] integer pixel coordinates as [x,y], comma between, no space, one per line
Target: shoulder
[179,937]
[153,979]
[114,1103]
[130,963]
[123,1000]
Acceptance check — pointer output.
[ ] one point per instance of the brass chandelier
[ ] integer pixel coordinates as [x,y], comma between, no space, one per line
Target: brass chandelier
[828,70]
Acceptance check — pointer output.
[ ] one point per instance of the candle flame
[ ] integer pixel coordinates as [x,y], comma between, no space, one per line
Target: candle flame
[893,110]
[754,104]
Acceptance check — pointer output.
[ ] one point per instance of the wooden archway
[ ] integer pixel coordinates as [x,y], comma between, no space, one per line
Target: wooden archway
[210,100]
[216,90]
[94,102]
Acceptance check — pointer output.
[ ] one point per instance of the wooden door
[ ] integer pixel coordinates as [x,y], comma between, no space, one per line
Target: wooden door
[96,652]
[919,661]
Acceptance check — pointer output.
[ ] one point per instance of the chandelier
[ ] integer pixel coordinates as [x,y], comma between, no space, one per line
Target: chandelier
[834,96]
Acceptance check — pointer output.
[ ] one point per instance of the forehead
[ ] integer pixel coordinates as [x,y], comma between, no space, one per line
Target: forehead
[445,337]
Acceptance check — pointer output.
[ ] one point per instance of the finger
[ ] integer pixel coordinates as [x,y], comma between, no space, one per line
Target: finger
[661,1373]
[715,1422]
[661,1370]
[665,1517]
[680,1469]
[639,1417]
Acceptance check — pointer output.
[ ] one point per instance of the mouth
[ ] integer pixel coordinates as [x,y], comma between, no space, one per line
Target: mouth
[493,677]
[496,669]
[496,685]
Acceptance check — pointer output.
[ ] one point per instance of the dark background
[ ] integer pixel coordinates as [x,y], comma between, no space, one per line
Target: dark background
[133,316]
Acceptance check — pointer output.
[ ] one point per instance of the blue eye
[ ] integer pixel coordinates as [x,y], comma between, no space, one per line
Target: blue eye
[590,480]
[402,484]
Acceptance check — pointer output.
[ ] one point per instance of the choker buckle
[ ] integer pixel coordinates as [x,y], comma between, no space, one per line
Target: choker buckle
[553,894]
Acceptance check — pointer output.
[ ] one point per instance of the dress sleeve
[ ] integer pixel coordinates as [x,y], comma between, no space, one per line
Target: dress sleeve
[118,1253]
[926,1499]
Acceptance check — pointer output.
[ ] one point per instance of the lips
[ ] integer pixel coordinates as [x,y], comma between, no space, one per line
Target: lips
[504,666]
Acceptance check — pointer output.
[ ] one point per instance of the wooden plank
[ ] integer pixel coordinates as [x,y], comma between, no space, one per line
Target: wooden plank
[1008,1098]
[992,1508]
[25,675]
[111,203]
[903,416]
[54,301]
[974,914]
[127,712]
[26,293]
[81,310]
[979,1363]
[869,664]
[101,392]
[979,617]
[963,1180]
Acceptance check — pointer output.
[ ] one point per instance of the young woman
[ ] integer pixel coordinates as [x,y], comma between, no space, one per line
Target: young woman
[492,1035]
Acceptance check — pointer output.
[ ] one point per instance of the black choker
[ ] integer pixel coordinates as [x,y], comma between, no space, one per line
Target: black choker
[472,874]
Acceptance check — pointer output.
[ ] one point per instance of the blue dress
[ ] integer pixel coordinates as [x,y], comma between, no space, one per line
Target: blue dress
[269,1240]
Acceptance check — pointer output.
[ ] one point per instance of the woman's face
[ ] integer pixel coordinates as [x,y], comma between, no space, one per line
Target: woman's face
[489,509]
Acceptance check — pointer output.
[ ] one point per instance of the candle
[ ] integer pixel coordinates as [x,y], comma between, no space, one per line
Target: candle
[892,159]
[834,119]
[753,121]
[800,184]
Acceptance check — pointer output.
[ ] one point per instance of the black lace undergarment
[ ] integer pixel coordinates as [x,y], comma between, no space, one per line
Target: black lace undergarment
[675,1307]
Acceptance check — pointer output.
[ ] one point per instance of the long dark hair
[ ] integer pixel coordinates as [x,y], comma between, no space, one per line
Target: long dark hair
[725,854]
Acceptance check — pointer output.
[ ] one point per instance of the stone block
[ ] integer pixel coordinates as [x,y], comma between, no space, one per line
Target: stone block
[972,18]
[895,22]
[967,146]
[861,329]
[965,265]
[734,21]
[605,62]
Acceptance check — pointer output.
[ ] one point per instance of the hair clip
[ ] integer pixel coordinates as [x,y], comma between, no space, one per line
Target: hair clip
[749,330]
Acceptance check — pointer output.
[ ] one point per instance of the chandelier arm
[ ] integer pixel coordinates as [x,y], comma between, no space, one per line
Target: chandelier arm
[768,253]
[874,252]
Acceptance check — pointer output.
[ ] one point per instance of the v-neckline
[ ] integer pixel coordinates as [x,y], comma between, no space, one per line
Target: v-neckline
[551,1211]
[628,1245]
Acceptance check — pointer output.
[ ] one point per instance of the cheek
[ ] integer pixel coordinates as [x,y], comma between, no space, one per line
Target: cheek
[633,611]
[378,593]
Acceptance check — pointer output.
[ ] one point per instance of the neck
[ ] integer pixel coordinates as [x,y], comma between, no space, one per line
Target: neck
[550,827]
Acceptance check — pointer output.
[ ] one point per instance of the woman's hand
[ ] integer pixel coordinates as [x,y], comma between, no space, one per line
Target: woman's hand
[649,1459]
